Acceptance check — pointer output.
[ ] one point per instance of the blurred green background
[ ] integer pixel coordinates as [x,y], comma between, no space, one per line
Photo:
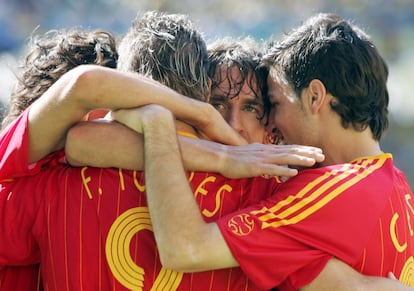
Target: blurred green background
[389,22]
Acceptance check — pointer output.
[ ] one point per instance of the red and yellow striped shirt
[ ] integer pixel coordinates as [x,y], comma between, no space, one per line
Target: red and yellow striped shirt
[90,228]
[361,213]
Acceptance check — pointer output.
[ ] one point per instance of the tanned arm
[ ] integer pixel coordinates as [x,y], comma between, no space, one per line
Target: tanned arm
[90,87]
[110,144]
[187,243]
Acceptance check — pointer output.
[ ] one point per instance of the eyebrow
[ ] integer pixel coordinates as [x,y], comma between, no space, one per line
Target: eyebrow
[218,97]
[251,100]
[255,101]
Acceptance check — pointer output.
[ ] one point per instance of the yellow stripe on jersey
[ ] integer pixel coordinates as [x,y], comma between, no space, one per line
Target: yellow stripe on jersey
[167,279]
[187,134]
[316,194]
[407,273]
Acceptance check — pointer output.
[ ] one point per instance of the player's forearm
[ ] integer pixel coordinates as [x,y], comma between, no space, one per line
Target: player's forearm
[165,176]
[89,87]
[177,223]
[115,89]
[185,242]
[104,144]
[111,144]
[101,87]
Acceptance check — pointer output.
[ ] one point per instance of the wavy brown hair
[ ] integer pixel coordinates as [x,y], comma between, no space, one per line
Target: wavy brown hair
[168,48]
[53,54]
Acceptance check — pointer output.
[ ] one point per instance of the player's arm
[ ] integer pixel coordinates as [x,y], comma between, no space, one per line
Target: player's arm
[110,144]
[185,241]
[104,144]
[90,87]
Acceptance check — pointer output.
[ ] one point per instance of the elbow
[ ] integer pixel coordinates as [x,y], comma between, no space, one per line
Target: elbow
[181,258]
[74,146]
[81,83]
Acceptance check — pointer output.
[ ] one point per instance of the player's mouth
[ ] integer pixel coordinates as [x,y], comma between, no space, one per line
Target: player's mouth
[276,137]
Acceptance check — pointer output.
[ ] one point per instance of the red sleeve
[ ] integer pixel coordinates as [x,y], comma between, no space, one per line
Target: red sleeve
[19,209]
[14,151]
[14,148]
[270,258]
[288,238]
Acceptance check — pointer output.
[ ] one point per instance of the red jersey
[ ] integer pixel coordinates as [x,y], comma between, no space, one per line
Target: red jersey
[361,213]
[14,160]
[20,278]
[14,163]
[90,228]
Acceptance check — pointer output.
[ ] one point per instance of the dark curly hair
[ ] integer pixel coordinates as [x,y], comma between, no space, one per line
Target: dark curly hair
[245,54]
[341,55]
[53,54]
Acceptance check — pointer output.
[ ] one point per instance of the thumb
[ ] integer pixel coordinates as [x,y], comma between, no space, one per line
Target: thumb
[392,276]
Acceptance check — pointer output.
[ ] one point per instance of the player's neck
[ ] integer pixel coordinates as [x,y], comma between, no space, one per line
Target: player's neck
[349,146]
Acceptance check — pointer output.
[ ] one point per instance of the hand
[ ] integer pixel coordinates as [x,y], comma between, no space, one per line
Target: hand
[392,276]
[128,117]
[268,160]
[134,117]
[214,127]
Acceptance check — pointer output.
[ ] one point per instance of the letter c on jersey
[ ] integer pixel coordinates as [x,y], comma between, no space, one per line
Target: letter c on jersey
[117,249]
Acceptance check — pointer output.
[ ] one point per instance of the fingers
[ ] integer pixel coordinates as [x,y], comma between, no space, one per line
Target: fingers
[223,133]
[263,170]
[294,160]
[286,154]
[392,276]
[279,171]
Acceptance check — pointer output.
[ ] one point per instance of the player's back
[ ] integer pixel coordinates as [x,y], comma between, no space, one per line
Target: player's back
[94,231]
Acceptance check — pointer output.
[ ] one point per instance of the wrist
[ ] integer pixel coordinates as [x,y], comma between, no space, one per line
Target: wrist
[206,116]
[157,119]
[221,157]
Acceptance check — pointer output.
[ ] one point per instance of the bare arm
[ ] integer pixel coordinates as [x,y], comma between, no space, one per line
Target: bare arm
[199,246]
[110,144]
[89,87]
[104,144]
[185,241]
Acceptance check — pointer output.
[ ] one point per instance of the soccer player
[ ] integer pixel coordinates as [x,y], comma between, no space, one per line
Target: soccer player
[49,57]
[239,88]
[327,86]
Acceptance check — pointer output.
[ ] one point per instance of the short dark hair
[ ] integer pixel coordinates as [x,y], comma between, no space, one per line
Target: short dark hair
[341,55]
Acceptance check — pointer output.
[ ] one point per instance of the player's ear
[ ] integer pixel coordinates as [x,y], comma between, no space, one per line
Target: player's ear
[317,95]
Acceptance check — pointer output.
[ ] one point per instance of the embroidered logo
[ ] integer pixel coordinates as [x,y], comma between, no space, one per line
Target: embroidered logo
[241,224]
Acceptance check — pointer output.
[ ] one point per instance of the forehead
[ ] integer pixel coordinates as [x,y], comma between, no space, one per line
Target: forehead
[233,81]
